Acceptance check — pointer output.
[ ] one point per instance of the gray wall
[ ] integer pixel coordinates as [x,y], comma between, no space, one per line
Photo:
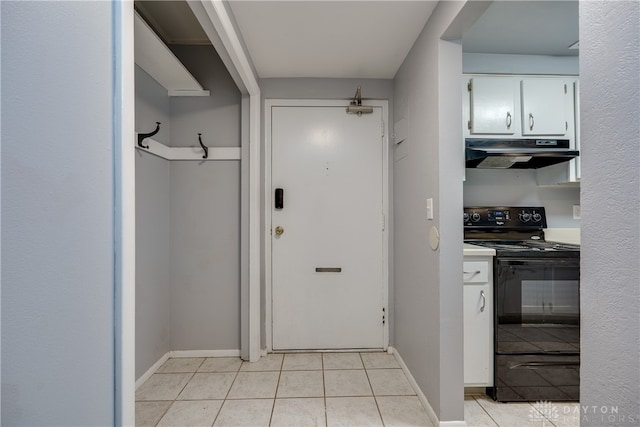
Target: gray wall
[217,116]
[610,306]
[153,257]
[205,255]
[188,218]
[205,211]
[495,187]
[57,214]
[310,88]
[152,105]
[519,188]
[428,291]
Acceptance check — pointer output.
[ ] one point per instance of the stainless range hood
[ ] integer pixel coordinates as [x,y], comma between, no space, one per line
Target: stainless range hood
[516,153]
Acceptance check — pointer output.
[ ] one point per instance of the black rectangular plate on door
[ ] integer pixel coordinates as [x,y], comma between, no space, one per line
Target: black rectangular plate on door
[279,198]
[328,269]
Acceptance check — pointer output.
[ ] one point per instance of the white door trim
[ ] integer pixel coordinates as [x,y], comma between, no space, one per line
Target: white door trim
[124,225]
[269,103]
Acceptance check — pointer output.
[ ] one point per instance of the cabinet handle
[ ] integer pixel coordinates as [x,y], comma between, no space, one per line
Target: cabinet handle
[531,121]
[484,301]
[472,272]
[508,120]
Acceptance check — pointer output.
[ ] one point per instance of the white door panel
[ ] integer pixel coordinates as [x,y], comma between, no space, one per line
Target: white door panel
[329,165]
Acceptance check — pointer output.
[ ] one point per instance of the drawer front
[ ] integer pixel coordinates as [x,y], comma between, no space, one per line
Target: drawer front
[476,272]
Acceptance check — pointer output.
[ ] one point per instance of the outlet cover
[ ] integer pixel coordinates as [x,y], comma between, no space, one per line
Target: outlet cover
[576,211]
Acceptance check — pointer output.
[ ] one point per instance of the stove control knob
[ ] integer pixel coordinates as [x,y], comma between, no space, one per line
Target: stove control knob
[537,217]
[475,217]
[466,217]
[525,217]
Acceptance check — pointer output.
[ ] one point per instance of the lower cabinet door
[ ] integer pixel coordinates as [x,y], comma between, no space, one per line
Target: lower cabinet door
[478,335]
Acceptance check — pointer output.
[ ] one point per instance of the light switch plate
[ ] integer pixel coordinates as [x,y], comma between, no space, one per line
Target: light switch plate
[429,208]
[576,211]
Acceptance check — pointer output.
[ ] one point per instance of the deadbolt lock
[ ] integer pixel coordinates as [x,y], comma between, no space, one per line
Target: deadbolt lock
[279,231]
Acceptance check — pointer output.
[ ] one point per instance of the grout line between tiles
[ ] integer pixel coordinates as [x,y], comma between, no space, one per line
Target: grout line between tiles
[273,404]
[475,399]
[164,413]
[324,392]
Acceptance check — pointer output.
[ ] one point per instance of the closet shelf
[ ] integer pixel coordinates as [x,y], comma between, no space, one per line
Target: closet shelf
[154,57]
[190,153]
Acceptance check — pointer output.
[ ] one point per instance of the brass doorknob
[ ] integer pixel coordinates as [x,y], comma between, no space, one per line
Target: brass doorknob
[279,230]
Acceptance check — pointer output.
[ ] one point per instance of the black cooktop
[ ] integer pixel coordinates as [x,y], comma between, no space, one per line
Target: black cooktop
[529,248]
[513,231]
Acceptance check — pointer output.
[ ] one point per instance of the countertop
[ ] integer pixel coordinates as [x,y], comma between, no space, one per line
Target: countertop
[562,235]
[474,250]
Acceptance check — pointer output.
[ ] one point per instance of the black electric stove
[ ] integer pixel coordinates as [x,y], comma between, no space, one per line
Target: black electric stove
[536,304]
[513,231]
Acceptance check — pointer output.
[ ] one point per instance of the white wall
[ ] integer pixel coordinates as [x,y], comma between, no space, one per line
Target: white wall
[500,187]
[493,63]
[57,214]
[610,255]
[428,286]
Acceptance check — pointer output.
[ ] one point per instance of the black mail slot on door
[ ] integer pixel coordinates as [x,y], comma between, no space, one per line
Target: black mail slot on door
[328,270]
[279,198]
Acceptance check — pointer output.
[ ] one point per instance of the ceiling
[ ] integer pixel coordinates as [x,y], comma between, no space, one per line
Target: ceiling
[365,38]
[525,27]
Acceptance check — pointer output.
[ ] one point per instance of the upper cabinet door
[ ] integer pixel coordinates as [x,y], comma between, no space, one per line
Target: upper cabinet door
[544,107]
[492,105]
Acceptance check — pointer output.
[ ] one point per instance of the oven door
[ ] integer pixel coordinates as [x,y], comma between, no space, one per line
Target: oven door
[537,305]
[537,318]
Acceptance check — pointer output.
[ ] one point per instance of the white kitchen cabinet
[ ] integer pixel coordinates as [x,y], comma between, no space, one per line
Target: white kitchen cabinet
[519,106]
[567,173]
[492,104]
[544,102]
[478,321]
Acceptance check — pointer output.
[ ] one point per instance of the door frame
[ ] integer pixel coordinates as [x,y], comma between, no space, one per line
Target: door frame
[268,201]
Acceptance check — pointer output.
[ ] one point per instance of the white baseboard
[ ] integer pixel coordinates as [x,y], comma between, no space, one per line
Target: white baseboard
[204,353]
[184,353]
[151,370]
[423,399]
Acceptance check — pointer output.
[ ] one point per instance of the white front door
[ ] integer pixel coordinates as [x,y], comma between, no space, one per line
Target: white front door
[327,265]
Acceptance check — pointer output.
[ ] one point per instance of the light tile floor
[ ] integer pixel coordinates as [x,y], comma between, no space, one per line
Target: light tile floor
[482,411]
[301,389]
[309,389]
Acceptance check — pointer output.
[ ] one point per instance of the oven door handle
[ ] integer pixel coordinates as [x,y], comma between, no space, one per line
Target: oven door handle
[537,365]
